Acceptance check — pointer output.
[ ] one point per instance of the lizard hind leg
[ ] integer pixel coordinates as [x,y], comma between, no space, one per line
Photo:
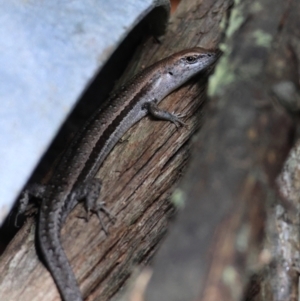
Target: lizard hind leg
[32,190]
[90,191]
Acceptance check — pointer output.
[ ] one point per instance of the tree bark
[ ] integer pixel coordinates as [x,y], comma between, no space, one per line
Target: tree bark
[138,177]
[216,243]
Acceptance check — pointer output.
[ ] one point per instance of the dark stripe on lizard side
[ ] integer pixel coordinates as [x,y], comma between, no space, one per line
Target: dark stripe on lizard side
[104,120]
[97,157]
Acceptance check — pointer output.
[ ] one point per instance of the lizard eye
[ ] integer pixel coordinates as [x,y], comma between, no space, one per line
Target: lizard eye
[191,59]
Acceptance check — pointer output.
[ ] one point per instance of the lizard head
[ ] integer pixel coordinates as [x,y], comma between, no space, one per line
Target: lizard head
[187,63]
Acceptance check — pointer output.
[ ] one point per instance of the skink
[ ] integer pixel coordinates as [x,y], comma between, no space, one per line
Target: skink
[73,179]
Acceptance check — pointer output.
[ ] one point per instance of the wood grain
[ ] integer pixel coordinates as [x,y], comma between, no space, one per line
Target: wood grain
[138,177]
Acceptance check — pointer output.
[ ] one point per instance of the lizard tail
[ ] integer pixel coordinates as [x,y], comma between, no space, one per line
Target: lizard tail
[55,257]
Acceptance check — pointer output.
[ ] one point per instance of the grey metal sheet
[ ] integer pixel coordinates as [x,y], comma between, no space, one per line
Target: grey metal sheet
[50,51]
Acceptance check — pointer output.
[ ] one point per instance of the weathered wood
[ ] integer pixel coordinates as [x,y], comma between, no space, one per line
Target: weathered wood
[138,177]
[279,281]
[214,247]
[281,277]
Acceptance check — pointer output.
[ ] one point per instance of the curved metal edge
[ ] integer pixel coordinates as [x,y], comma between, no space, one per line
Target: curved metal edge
[158,14]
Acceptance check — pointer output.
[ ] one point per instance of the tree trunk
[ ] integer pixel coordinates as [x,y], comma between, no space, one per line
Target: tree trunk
[217,241]
[138,177]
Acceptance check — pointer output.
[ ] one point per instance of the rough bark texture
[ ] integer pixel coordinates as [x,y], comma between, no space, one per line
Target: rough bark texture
[138,178]
[215,245]
[281,276]
[279,281]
